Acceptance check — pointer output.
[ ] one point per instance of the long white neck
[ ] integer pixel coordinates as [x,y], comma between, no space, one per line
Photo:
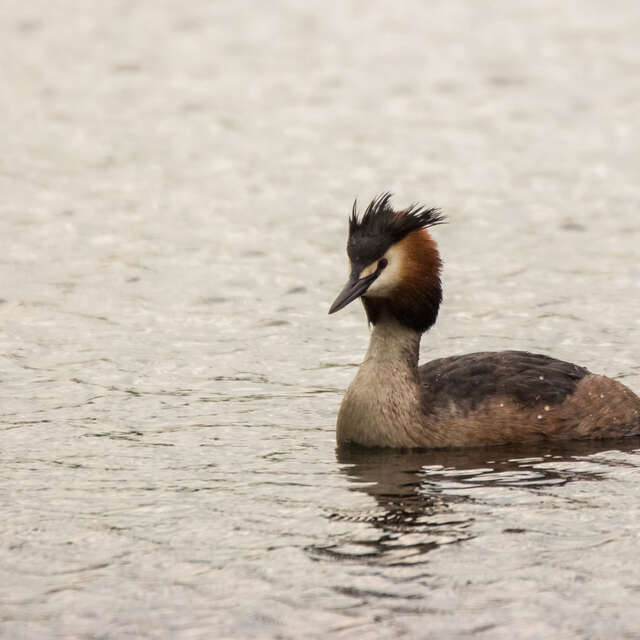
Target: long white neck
[382,405]
[394,346]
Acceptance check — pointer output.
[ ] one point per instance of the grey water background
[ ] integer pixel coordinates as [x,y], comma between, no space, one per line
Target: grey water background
[174,185]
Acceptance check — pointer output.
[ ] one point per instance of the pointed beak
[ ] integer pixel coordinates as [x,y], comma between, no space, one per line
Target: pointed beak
[353,289]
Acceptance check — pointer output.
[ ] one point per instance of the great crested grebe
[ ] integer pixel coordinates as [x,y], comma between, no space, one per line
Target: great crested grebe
[477,399]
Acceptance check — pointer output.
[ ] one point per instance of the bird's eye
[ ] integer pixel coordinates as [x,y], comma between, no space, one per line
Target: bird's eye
[382,264]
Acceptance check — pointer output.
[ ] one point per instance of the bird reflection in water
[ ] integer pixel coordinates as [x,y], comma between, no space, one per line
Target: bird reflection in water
[426,499]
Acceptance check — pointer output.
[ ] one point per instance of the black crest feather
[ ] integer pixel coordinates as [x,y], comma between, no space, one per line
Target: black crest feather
[380,227]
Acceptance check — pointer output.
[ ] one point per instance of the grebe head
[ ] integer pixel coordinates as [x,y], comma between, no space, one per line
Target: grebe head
[395,265]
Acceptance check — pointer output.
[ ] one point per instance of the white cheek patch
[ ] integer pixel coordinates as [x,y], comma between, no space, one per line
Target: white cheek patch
[391,275]
[367,271]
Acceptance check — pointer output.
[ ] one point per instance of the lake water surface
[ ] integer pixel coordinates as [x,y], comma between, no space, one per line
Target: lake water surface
[174,187]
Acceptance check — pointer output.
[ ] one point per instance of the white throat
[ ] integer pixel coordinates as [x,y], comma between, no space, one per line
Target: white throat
[392,345]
